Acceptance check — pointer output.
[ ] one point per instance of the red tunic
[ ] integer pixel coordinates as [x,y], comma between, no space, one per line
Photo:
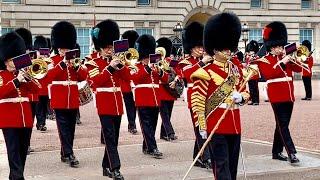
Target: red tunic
[306,73]
[63,88]
[203,89]
[15,109]
[249,59]
[279,79]
[147,86]
[105,82]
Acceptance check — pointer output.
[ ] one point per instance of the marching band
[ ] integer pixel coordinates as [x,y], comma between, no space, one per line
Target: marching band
[147,76]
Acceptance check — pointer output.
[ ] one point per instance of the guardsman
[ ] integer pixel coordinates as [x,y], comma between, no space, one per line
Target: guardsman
[126,89]
[277,69]
[63,89]
[105,73]
[215,86]
[147,99]
[192,40]
[15,106]
[27,37]
[307,75]
[251,51]
[41,108]
[166,98]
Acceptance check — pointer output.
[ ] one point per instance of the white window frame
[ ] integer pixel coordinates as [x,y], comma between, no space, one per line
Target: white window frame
[311,4]
[257,38]
[87,2]
[150,3]
[143,28]
[304,29]
[17,2]
[261,5]
[83,53]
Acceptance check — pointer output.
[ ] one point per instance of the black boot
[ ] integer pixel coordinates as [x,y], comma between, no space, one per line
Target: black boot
[107,172]
[73,161]
[279,156]
[293,159]
[116,175]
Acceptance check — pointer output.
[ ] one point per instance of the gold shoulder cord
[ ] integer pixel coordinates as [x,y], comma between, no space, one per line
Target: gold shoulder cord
[1,81]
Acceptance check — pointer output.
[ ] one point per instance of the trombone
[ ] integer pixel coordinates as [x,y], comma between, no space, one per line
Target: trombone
[300,56]
[128,58]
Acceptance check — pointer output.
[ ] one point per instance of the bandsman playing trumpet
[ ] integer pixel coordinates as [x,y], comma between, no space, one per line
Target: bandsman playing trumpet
[147,97]
[63,89]
[15,106]
[105,73]
[277,69]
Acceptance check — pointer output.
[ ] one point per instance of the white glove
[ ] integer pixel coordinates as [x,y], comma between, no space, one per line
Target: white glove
[203,134]
[21,76]
[237,97]
[50,66]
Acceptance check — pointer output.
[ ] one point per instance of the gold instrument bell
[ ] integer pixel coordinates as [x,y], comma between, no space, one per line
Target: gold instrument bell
[128,58]
[302,53]
[162,64]
[38,69]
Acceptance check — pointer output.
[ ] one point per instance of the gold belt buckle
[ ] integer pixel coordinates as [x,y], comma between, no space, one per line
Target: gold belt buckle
[114,89]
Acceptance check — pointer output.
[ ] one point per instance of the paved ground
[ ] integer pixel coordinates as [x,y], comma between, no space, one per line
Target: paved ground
[257,124]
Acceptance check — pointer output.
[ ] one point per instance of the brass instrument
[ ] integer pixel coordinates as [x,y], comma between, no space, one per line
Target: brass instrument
[162,64]
[38,69]
[128,58]
[76,62]
[300,56]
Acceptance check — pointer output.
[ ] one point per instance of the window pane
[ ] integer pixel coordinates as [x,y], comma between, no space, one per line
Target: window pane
[83,39]
[80,1]
[256,3]
[142,31]
[6,30]
[306,34]
[305,4]
[255,34]
[11,1]
[143,2]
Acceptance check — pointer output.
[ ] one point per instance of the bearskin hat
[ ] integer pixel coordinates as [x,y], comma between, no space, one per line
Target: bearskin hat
[307,43]
[40,42]
[221,32]
[11,45]
[253,46]
[166,44]
[49,43]
[174,51]
[275,34]
[192,36]
[145,44]
[26,36]
[132,36]
[63,35]
[104,33]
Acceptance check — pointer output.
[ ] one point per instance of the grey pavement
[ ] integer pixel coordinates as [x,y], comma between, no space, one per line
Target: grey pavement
[177,158]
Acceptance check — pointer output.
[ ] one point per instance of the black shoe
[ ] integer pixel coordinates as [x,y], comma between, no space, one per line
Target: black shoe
[166,138]
[41,128]
[73,161]
[132,131]
[250,103]
[116,175]
[173,137]
[266,100]
[30,150]
[107,172]
[78,122]
[155,153]
[279,156]
[306,99]
[207,164]
[293,159]
[199,163]
[64,159]
[255,104]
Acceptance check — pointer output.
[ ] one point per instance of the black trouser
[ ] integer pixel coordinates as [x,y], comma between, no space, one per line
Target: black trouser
[307,86]
[111,127]
[165,113]
[224,151]
[282,137]
[42,110]
[17,142]
[254,90]
[33,113]
[198,144]
[78,115]
[148,117]
[66,123]
[130,108]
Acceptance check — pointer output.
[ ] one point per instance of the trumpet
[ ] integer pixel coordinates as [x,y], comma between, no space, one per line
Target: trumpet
[162,64]
[76,62]
[128,58]
[38,69]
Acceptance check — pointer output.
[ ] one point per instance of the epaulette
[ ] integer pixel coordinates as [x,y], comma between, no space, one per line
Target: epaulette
[200,74]
[92,63]
[185,61]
